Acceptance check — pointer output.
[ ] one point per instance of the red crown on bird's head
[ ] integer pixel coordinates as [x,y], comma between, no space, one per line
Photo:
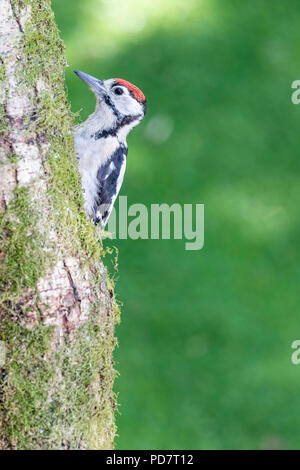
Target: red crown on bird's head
[137,93]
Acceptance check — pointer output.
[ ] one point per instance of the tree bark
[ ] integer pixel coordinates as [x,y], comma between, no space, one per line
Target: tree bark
[57,305]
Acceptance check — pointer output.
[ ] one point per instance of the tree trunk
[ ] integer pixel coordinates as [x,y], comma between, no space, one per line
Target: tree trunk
[57,302]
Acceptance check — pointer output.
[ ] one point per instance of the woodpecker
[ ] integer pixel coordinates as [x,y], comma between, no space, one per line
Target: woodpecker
[100,142]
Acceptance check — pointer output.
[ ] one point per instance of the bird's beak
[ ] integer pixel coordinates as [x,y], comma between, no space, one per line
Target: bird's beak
[96,85]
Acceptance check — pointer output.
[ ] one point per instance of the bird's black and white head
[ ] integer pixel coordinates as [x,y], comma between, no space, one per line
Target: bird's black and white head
[120,106]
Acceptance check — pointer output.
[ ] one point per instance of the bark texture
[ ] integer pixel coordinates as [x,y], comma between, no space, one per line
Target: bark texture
[57,305]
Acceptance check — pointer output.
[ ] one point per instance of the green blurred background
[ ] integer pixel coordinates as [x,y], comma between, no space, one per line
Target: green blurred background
[205,339]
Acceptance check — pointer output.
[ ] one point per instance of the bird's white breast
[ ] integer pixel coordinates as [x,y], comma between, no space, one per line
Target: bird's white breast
[92,154]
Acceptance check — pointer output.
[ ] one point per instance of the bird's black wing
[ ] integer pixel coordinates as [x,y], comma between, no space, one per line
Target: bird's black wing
[110,178]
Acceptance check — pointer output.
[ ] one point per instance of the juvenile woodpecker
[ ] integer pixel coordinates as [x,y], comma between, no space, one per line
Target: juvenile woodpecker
[100,142]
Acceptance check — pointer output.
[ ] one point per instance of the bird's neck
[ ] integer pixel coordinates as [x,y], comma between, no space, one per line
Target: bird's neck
[103,123]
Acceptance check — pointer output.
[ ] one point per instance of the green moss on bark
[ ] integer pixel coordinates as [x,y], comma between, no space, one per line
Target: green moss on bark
[25,382]
[60,399]
[21,247]
[3,118]
[53,122]
[52,397]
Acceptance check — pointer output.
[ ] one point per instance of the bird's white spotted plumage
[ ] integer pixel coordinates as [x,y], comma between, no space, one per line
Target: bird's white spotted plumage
[112,167]
[100,142]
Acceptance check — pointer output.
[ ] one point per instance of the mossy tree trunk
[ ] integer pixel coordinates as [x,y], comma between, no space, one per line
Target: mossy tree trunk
[57,303]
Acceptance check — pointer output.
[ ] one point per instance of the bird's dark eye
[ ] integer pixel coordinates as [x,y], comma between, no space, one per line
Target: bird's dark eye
[118,91]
